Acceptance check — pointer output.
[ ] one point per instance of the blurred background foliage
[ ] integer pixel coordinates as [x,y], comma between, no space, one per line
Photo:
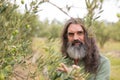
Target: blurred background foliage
[25,40]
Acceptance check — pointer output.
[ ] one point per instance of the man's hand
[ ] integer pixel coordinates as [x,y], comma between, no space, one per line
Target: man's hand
[64,68]
[74,71]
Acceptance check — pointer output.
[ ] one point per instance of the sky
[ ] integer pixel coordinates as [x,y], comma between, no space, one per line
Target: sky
[110,7]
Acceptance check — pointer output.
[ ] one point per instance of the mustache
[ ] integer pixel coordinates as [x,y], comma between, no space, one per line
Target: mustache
[76,41]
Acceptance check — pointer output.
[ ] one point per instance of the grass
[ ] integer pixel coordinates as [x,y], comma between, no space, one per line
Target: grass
[115,68]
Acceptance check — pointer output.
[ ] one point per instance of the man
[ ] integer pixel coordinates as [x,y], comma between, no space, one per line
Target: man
[81,49]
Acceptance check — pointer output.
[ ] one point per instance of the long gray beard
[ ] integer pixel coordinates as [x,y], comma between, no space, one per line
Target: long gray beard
[76,52]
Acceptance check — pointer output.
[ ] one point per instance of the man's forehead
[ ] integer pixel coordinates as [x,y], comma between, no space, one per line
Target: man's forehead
[75,27]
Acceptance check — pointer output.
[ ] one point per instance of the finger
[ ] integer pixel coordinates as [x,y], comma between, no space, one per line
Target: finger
[64,67]
[60,69]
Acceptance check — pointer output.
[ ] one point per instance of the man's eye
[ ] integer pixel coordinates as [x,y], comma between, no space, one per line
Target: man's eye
[80,32]
[70,34]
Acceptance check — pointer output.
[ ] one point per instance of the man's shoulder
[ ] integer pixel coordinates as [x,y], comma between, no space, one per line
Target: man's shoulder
[103,58]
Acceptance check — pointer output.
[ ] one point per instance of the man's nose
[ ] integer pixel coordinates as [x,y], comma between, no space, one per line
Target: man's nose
[76,37]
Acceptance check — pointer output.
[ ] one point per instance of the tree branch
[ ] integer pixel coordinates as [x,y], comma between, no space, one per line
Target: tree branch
[60,9]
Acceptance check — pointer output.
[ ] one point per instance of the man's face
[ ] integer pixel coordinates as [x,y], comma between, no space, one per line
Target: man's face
[75,33]
[76,47]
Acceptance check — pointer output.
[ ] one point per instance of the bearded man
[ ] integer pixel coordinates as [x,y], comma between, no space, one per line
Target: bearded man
[81,49]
